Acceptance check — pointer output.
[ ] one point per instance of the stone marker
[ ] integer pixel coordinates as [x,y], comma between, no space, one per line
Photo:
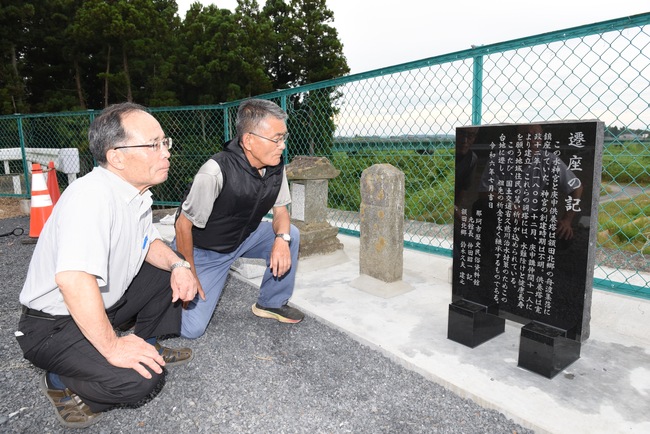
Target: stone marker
[381,247]
[526,208]
[309,183]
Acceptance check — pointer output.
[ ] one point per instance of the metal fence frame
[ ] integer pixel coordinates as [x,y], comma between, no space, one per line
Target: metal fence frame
[407,113]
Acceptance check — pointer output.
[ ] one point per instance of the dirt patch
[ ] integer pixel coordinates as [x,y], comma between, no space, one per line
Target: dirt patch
[10,207]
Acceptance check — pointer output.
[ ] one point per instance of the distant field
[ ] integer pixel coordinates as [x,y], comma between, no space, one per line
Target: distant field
[429,182]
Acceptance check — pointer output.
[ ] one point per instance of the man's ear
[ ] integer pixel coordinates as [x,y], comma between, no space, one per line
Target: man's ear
[115,158]
[247,141]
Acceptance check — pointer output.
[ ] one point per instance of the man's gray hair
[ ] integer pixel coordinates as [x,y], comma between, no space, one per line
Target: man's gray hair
[107,131]
[253,111]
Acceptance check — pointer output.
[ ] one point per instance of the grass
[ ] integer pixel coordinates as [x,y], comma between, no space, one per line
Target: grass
[625,225]
[626,163]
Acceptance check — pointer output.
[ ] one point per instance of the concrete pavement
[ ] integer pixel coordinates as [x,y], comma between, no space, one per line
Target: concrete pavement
[606,391]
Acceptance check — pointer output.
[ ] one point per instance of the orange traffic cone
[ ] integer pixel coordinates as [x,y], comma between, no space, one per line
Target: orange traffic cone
[52,183]
[41,206]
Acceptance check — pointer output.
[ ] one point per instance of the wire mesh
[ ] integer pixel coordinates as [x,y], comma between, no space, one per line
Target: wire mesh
[406,115]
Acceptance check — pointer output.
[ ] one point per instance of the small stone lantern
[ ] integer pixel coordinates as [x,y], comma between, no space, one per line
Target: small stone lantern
[308,177]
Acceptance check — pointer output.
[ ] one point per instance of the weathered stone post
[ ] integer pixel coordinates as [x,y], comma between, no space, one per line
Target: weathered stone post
[309,179]
[381,248]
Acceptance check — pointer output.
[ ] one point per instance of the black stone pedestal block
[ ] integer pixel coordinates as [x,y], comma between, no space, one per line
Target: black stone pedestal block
[546,350]
[472,324]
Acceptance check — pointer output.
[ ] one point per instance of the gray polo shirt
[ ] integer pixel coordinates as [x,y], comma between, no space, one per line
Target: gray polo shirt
[102,226]
[206,187]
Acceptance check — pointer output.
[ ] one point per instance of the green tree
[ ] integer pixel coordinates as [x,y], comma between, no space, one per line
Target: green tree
[124,29]
[218,63]
[79,51]
[15,27]
[201,39]
[306,50]
[48,64]
[304,47]
[247,65]
[75,54]
[157,86]
[142,33]
[280,51]
[318,47]
[93,24]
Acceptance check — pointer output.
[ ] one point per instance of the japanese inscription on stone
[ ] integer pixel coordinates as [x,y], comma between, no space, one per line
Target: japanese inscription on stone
[524,204]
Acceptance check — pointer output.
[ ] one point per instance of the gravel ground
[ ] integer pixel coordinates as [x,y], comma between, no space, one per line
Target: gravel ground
[248,375]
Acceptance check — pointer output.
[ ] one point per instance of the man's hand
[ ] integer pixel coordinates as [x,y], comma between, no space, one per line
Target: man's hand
[280,261]
[134,352]
[199,290]
[84,301]
[185,246]
[280,258]
[184,285]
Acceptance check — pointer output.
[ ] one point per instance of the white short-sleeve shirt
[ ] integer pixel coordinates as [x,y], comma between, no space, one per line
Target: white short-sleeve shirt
[102,226]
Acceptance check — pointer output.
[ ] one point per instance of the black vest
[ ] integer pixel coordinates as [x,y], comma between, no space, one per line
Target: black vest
[245,198]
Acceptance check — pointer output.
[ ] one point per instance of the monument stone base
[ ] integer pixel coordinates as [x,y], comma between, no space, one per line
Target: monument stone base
[471,323]
[546,350]
[380,288]
[317,238]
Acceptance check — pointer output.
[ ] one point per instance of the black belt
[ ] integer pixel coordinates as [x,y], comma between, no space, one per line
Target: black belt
[37,314]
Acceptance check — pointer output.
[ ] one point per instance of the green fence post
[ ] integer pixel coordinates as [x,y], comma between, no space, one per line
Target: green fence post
[91,118]
[477,91]
[283,105]
[226,127]
[21,140]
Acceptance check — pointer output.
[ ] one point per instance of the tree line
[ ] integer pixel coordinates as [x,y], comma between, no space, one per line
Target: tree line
[66,55]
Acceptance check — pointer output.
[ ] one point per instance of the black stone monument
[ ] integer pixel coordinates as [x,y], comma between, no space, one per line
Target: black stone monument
[525,217]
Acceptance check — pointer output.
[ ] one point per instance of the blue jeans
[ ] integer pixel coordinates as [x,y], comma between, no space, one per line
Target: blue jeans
[212,270]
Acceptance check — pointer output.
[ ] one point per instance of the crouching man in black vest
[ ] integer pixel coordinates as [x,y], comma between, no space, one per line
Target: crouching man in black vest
[220,218]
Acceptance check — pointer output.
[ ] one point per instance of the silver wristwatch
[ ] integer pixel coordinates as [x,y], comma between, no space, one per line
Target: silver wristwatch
[183,264]
[285,237]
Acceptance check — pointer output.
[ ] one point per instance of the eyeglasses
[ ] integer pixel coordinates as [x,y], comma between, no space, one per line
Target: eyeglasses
[282,138]
[157,146]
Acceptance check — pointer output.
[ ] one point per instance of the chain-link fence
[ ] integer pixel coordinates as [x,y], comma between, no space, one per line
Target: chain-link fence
[406,115]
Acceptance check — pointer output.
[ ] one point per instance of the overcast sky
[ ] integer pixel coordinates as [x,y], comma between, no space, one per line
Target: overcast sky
[377,36]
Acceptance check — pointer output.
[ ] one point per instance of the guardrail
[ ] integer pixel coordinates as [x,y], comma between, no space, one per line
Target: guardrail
[65,160]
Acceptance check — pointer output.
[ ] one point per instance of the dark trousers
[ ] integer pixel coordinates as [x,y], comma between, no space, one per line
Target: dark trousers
[56,344]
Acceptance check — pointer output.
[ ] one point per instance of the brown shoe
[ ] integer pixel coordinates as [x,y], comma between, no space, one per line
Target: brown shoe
[174,356]
[71,411]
